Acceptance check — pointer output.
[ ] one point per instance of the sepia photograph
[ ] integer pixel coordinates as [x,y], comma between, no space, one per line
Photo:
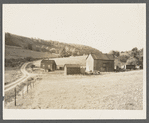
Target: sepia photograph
[74,61]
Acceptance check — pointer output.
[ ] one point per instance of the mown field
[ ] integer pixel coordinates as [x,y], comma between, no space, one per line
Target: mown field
[109,91]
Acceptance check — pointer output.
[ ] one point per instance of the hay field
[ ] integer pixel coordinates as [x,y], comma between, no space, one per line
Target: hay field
[111,91]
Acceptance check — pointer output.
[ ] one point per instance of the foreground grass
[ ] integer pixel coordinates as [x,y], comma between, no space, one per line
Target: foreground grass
[112,91]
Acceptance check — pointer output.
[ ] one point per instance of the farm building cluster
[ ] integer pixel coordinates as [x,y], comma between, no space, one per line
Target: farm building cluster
[81,64]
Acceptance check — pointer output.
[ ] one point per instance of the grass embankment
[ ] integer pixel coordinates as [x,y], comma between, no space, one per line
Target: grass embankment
[12,68]
[10,95]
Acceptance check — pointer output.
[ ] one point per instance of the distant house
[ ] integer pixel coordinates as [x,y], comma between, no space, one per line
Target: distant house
[48,65]
[71,69]
[100,62]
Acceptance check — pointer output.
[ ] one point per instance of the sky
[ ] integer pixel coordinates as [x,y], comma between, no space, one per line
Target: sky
[106,27]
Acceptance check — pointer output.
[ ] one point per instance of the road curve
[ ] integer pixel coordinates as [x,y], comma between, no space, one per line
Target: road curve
[25,76]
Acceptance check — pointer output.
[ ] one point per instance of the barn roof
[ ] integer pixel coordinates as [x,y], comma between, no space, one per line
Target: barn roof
[48,61]
[72,65]
[102,56]
[110,56]
[81,60]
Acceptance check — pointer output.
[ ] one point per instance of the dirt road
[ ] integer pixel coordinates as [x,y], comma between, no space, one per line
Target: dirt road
[25,76]
[121,91]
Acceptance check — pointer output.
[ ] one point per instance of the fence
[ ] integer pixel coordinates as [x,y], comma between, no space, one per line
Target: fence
[20,90]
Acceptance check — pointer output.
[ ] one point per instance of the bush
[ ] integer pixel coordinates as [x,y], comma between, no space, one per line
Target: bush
[28,58]
[132,61]
[123,58]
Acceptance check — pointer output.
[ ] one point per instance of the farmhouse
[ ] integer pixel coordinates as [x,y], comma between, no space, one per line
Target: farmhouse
[100,62]
[48,65]
[71,69]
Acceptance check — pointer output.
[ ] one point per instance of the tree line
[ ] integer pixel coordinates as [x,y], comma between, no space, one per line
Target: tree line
[132,57]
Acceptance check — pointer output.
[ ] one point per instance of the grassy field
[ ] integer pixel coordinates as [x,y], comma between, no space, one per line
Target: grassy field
[112,91]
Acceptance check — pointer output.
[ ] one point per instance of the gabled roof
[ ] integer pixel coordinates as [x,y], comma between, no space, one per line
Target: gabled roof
[48,61]
[72,65]
[102,56]
[110,56]
[81,60]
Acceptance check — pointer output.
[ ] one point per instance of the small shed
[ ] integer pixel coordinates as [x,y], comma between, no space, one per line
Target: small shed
[48,65]
[71,69]
[129,67]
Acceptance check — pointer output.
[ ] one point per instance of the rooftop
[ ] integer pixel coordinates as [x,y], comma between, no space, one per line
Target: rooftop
[72,65]
[48,61]
[102,56]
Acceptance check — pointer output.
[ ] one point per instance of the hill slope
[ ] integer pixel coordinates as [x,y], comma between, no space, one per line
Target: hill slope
[18,52]
[47,45]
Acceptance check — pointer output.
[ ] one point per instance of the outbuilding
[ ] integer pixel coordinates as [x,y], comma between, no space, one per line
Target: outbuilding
[100,62]
[70,69]
[48,65]
[130,67]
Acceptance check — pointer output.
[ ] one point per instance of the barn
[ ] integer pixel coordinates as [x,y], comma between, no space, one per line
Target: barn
[48,65]
[71,69]
[100,62]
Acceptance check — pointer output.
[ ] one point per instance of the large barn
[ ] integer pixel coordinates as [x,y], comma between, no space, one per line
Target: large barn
[100,62]
[48,65]
[60,62]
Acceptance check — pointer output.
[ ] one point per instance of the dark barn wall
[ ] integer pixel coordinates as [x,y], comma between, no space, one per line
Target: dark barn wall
[129,66]
[97,64]
[71,70]
[104,65]
[48,66]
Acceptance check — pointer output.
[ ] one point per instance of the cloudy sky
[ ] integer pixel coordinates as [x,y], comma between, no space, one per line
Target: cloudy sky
[103,26]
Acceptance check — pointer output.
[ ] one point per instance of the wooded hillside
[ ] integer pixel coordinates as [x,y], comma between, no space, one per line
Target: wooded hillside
[40,45]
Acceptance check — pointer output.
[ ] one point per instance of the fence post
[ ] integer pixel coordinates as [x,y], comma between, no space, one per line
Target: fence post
[31,85]
[22,93]
[27,87]
[15,95]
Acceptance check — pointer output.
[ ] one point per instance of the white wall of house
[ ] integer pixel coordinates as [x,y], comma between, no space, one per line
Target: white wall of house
[90,63]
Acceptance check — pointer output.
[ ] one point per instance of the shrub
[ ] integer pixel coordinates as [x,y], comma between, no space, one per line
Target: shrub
[28,58]
[123,58]
[132,61]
